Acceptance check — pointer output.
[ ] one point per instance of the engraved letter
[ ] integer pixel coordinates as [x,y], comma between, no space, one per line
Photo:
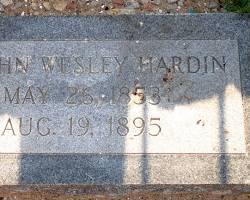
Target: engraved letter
[195,60]
[91,70]
[28,96]
[21,66]
[48,63]
[3,65]
[205,64]
[105,63]
[8,97]
[44,94]
[20,127]
[176,62]
[162,64]
[79,69]
[222,66]
[64,63]
[120,64]
[147,61]
[9,129]
[38,126]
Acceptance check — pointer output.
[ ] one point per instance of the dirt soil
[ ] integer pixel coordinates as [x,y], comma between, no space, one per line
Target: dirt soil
[160,192]
[107,7]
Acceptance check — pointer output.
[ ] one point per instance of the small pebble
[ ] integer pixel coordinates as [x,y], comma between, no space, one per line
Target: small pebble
[148,7]
[6,2]
[180,3]
[118,2]
[60,5]
[46,5]
[156,2]
[172,1]
[18,5]
[212,5]
[36,13]
[1,8]
[172,7]
[132,5]
[34,5]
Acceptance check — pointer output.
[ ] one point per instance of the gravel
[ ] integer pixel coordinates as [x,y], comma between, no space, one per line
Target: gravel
[106,7]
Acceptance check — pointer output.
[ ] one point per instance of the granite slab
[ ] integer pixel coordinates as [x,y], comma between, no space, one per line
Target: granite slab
[125,100]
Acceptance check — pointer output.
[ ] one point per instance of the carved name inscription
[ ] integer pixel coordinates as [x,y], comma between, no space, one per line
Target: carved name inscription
[120,97]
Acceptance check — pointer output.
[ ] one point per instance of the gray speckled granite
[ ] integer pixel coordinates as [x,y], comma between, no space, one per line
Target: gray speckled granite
[132,169]
[188,114]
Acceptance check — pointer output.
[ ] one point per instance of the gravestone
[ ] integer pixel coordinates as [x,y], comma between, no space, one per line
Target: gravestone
[125,100]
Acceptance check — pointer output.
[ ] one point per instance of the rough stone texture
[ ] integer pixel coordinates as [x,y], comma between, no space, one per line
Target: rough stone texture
[132,169]
[179,107]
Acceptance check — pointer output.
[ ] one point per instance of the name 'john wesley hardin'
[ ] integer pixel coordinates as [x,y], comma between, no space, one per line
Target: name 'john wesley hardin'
[97,65]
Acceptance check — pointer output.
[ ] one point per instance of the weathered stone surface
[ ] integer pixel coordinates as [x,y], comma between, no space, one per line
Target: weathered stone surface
[218,35]
[161,96]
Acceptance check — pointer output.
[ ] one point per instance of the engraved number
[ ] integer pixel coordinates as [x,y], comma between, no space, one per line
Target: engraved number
[72,94]
[124,91]
[155,98]
[82,123]
[140,124]
[153,122]
[79,96]
[123,129]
